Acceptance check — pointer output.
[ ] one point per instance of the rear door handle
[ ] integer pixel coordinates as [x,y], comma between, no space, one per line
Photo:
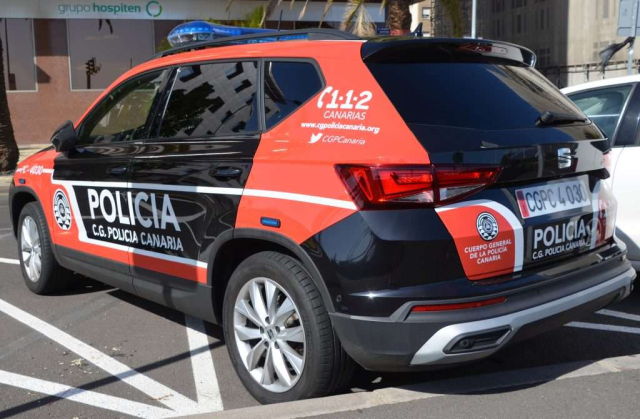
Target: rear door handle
[226,172]
[118,171]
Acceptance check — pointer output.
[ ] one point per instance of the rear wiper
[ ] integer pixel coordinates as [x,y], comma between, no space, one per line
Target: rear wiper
[551,118]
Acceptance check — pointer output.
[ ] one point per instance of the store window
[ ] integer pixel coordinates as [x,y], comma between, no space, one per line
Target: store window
[101,50]
[212,100]
[19,54]
[426,13]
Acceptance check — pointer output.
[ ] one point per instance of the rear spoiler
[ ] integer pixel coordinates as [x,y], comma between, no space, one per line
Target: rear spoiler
[444,50]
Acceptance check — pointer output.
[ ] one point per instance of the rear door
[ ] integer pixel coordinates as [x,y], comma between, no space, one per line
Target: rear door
[188,178]
[90,183]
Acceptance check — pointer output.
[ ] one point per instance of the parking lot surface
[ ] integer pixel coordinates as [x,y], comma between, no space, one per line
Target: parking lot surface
[95,351]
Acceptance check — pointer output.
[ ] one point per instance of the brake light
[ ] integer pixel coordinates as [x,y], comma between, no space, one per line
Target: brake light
[458,306]
[431,185]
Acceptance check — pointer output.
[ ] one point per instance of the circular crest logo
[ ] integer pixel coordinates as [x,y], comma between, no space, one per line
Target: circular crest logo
[487,226]
[154,8]
[61,210]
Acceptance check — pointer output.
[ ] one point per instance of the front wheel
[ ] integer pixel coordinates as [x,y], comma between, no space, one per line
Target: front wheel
[279,334]
[40,270]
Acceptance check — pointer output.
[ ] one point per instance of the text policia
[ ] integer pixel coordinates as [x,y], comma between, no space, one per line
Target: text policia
[129,210]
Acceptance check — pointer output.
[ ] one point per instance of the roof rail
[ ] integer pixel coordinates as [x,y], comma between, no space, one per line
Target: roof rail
[309,34]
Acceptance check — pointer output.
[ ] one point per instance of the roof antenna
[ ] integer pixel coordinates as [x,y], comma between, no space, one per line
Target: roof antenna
[417,32]
[280,20]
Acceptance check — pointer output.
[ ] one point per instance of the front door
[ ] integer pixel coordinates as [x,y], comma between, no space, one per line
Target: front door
[92,182]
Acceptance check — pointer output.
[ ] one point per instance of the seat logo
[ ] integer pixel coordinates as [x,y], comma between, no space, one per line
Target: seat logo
[487,226]
[564,158]
[61,210]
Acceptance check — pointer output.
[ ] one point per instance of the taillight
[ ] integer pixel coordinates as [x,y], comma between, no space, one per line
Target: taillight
[458,306]
[430,185]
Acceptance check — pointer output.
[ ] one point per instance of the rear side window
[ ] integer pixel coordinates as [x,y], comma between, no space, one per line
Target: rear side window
[603,106]
[487,96]
[287,85]
[212,100]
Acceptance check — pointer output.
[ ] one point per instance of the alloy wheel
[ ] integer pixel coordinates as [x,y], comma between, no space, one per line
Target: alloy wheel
[269,335]
[31,248]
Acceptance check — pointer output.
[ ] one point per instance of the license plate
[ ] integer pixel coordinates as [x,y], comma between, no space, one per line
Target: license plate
[552,198]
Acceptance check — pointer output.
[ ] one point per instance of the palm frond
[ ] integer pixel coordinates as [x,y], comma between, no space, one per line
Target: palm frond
[304,9]
[269,8]
[326,10]
[357,18]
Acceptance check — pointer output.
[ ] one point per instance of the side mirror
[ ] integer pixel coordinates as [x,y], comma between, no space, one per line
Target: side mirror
[65,137]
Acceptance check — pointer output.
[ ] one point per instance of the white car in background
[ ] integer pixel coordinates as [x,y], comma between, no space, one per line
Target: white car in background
[614,105]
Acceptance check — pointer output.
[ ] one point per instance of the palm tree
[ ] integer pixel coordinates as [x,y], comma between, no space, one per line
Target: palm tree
[454,12]
[356,18]
[9,153]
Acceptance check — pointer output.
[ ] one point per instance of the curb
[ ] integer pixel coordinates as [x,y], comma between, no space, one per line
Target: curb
[387,396]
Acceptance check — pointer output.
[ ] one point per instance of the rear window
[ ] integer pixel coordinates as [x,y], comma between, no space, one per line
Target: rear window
[486,96]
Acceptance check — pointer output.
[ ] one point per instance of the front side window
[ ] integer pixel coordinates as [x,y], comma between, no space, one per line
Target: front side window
[125,113]
[287,86]
[211,100]
[603,106]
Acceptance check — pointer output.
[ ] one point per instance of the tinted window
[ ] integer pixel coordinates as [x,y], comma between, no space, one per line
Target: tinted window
[469,95]
[603,106]
[287,86]
[123,115]
[212,100]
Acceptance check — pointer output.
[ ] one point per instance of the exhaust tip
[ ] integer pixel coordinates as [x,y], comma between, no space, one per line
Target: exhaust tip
[478,341]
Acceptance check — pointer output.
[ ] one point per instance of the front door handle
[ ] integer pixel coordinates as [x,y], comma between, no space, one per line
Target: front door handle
[119,170]
[226,173]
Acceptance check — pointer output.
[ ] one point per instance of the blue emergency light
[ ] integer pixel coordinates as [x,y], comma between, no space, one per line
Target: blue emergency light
[200,30]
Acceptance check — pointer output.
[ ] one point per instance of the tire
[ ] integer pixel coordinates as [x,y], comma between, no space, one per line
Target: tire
[326,368]
[51,277]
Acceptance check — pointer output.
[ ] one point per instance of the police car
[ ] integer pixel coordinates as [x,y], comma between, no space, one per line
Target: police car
[397,203]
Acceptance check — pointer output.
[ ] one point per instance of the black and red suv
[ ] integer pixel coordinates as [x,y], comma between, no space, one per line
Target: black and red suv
[402,203]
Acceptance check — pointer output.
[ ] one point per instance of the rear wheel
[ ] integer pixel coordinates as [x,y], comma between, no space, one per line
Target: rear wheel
[279,334]
[40,270]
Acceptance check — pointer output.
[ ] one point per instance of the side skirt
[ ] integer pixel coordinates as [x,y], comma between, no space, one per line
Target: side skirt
[180,294]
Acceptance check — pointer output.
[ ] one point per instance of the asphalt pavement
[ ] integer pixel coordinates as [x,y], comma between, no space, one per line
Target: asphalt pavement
[98,352]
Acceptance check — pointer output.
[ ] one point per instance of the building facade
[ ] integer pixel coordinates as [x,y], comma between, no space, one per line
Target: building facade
[566,35]
[59,55]
[422,12]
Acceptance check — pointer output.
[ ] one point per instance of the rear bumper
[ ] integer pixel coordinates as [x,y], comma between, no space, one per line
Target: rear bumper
[409,341]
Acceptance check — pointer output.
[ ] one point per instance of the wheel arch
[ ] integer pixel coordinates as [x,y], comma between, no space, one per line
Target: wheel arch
[18,198]
[234,246]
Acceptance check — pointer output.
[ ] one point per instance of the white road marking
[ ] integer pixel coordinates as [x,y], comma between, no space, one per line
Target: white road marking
[620,315]
[90,398]
[155,390]
[10,261]
[3,235]
[204,373]
[606,327]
